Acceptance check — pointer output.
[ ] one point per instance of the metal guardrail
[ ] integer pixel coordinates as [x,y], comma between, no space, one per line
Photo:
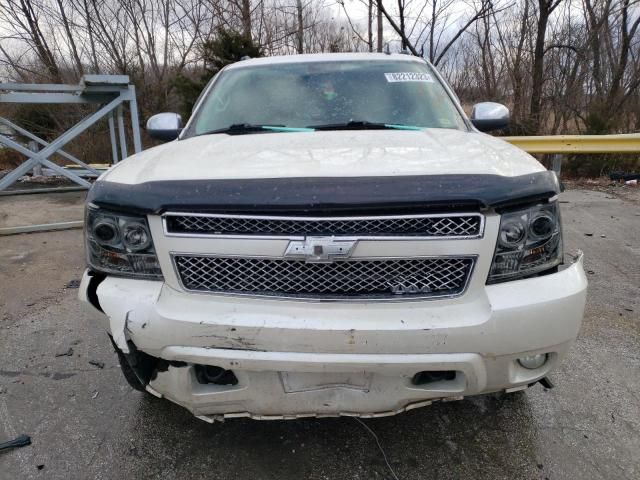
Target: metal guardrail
[578,144]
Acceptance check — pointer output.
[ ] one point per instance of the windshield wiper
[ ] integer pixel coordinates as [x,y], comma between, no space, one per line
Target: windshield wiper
[243,128]
[363,125]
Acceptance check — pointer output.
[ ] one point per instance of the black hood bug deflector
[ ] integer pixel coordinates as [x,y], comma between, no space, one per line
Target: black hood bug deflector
[327,195]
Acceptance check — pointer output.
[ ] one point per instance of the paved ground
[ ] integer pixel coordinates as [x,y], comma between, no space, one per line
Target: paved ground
[18,210]
[87,423]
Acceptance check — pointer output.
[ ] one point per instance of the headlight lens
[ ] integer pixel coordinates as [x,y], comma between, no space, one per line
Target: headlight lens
[120,244]
[529,242]
[513,232]
[135,236]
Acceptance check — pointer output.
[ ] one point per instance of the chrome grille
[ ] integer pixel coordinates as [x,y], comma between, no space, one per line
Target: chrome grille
[449,225]
[366,278]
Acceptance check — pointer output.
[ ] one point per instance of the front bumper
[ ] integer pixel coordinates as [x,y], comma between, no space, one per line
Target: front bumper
[295,359]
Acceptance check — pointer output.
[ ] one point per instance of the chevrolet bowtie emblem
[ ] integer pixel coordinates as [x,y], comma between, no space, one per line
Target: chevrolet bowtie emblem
[320,249]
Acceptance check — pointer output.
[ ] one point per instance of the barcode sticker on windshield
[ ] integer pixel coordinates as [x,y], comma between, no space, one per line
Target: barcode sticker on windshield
[408,77]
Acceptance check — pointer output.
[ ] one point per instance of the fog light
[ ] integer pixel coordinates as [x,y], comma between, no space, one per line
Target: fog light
[533,361]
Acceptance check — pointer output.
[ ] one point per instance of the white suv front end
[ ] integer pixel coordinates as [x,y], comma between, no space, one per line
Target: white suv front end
[324,273]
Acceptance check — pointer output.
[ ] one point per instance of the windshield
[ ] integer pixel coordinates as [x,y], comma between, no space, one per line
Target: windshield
[326,95]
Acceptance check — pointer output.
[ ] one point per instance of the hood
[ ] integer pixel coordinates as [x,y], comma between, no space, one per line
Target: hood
[350,153]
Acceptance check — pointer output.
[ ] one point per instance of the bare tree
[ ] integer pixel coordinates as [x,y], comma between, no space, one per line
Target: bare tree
[545,9]
[435,26]
[379,29]
[300,33]
[562,66]
[23,18]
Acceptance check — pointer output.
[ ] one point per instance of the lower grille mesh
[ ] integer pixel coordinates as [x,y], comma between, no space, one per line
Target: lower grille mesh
[386,278]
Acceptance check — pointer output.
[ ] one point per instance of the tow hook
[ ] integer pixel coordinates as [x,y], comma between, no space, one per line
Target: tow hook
[546,382]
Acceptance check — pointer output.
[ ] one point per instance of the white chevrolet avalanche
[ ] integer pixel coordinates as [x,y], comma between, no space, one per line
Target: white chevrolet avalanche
[330,235]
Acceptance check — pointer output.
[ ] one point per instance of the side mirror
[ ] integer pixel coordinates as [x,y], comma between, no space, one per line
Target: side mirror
[164,126]
[487,116]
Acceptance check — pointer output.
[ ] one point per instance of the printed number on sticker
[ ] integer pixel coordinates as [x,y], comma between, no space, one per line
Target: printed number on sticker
[408,77]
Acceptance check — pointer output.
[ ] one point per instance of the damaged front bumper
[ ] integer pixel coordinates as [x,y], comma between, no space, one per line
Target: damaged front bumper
[288,359]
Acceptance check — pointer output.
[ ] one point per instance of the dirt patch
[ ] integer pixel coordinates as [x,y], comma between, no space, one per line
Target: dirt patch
[616,189]
[35,209]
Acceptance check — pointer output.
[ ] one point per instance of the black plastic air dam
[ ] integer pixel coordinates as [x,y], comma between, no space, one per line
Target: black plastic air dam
[326,195]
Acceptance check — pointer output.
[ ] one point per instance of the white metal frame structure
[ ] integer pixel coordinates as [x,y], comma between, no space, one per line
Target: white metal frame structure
[109,91]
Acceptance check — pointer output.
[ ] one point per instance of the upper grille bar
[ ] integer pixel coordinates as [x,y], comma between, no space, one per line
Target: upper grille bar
[452,225]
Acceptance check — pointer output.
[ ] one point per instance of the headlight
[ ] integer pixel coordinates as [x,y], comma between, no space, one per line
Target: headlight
[120,244]
[529,242]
